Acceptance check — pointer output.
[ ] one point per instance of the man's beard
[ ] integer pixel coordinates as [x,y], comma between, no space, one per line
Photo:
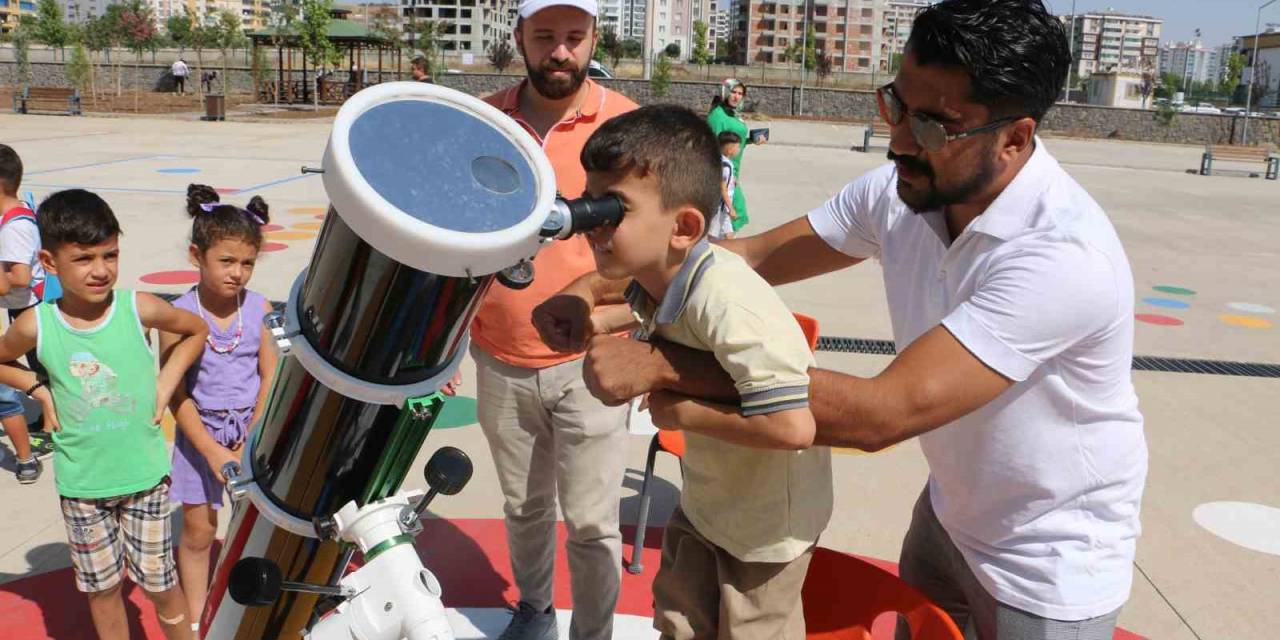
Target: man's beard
[555,88]
[934,197]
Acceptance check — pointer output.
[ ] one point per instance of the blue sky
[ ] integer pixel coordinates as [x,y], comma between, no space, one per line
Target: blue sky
[1218,20]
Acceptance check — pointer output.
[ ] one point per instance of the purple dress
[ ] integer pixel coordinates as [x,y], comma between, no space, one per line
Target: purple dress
[224,387]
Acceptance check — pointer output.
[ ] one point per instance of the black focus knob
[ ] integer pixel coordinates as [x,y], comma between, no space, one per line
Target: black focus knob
[254,582]
[448,470]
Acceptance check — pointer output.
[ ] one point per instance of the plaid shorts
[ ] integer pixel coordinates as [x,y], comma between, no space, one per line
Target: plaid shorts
[108,534]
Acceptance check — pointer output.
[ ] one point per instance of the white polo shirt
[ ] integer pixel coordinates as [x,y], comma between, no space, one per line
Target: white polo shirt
[1040,489]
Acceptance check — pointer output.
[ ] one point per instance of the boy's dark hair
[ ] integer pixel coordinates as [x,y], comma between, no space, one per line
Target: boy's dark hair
[10,170]
[668,141]
[420,63]
[75,216]
[728,137]
[212,221]
[1015,51]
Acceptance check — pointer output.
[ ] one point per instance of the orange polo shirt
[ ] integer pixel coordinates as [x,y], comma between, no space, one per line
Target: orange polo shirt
[503,326]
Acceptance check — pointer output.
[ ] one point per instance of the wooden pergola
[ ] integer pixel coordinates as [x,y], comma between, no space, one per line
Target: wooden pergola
[360,45]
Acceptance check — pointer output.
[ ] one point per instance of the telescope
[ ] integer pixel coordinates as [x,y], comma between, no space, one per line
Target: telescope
[433,196]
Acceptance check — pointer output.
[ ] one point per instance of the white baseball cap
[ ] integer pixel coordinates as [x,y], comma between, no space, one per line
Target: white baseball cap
[530,7]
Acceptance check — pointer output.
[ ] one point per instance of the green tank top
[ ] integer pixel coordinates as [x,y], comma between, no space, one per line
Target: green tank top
[104,388]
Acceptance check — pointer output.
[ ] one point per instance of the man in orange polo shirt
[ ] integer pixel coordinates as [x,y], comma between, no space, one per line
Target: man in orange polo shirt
[550,438]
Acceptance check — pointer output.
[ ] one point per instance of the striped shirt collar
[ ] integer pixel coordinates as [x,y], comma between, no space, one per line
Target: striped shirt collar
[700,258]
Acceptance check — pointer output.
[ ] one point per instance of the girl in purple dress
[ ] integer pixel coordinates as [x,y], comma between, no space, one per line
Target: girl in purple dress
[226,389]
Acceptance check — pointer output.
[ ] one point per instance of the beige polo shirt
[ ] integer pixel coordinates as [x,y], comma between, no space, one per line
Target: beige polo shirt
[760,505]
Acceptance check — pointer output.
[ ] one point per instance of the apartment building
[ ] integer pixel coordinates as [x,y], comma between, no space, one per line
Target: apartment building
[1191,61]
[473,25]
[896,23]
[848,30]
[1110,40]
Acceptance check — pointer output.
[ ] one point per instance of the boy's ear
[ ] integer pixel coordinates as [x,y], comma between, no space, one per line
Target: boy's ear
[46,261]
[689,228]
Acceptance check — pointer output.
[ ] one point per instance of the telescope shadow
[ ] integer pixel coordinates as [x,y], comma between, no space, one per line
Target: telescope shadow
[470,559]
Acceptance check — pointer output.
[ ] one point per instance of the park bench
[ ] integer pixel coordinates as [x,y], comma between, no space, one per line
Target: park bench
[875,128]
[1237,153]
[47,99]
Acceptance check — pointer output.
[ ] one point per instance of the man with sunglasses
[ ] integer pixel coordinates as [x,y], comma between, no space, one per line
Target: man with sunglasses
[1011,301]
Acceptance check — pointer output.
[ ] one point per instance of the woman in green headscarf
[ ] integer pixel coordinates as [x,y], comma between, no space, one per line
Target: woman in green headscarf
[724,117]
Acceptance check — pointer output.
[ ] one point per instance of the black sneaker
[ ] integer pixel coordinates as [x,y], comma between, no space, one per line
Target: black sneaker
[528,623]
[41,445]
[28,471]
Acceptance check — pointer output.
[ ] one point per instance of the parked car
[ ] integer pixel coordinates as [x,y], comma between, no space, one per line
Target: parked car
[598,70]
[1233,111]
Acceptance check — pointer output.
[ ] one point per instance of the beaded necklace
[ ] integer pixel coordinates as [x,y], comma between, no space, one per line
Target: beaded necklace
[235,342]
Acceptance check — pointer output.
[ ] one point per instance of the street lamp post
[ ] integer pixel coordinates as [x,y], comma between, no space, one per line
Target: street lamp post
[804,48]
[1253,72]
[1071,49]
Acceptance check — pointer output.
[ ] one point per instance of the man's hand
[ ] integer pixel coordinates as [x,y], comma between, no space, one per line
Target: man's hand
[45,398]
[619,369]
[564,321]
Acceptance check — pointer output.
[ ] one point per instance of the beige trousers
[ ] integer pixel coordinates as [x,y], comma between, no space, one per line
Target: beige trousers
[702,592]
[551,439]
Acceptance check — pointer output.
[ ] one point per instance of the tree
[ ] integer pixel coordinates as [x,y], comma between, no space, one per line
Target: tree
[21,37]
[823,65]
[809,54]
[178,28]
[204,35]
[610,45]
[632,48]
[138,32]
[1231,80]
[728,50]
[501,55]
[313,39]
[1261,85]
[97,36]
[660,80]
[283,23]
[425,36]
[701,54]
[78,69]
[672,50]
[51,27]
[227,36]
[1148,83]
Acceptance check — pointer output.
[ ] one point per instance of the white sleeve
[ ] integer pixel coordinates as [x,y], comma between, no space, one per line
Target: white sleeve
[19,242]
[851,222]
[1035,303]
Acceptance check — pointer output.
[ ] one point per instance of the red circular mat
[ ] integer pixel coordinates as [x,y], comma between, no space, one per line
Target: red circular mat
[171,277]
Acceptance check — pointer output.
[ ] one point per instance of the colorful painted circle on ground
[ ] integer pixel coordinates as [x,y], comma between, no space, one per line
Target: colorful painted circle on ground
[268,247]
[320,216]
[1248,322]
[307,211]
[1174,291]
[459,411]
[178,170]
[266,228]
[290,235]
[307,226]
[1168,303]
[1158,320]
[1252,526]
[1250,307]
[172,277]
[226,190]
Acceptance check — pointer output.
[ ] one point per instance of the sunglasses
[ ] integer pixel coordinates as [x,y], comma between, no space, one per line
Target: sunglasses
[930,134]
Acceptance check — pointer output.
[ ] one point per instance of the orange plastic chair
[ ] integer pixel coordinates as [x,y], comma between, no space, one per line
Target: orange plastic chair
[673,442]
[843,595]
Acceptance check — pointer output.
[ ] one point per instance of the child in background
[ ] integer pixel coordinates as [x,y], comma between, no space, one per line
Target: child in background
[756,494]
[21,278]
[226,390]
[722,224]
[111,461]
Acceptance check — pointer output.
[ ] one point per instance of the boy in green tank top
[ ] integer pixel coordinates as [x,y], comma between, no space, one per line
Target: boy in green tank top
[103,402]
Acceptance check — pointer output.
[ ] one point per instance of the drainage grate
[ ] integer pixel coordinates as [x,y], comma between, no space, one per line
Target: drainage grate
[837,344]
[1140,363]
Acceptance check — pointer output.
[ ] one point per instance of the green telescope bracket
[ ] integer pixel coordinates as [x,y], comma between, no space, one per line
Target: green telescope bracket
[410,430]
